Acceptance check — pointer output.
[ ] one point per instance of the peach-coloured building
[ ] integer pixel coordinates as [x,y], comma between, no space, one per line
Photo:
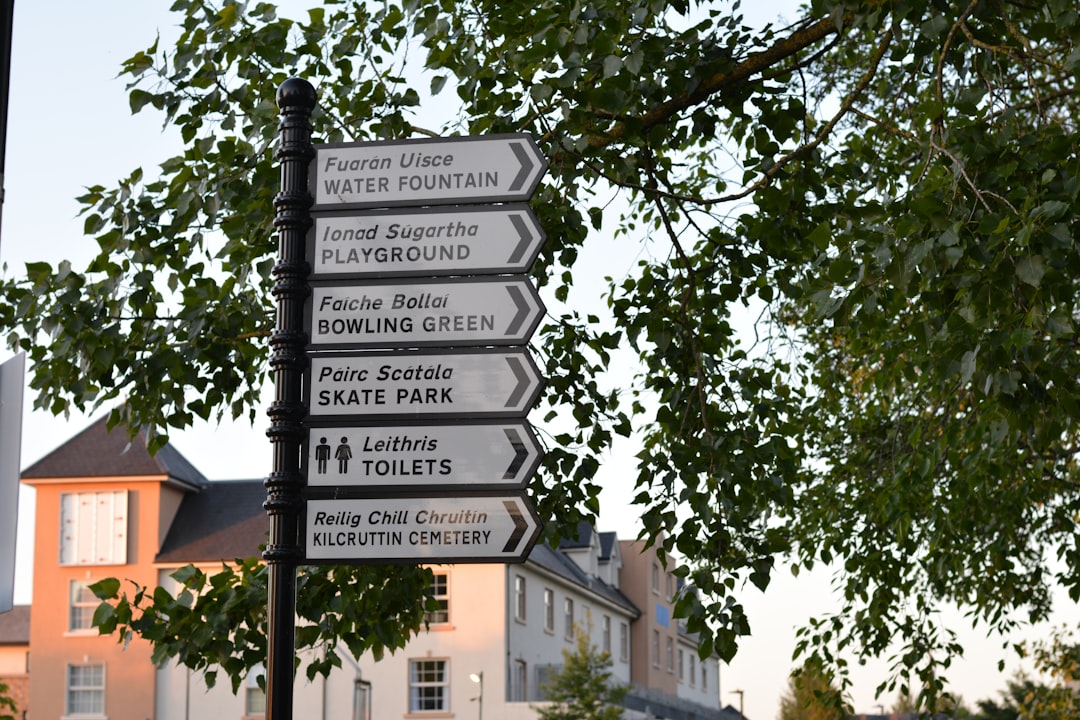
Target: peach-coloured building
[15,657]
[106,507]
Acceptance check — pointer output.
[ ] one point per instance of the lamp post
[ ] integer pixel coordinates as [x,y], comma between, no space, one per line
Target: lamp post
[479,679]
[740,694]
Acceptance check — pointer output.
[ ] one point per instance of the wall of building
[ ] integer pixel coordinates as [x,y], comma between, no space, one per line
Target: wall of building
[129,674]
[14,662]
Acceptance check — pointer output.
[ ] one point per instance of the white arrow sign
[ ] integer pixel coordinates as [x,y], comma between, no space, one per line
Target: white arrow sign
[419,313]
[503,454]
[429,171]
[499,528]
[423,385]
[482,240]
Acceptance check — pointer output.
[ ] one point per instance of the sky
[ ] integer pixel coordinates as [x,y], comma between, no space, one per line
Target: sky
[70,127]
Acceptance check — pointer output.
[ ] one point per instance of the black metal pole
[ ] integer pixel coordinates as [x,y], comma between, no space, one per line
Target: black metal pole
[7,20]
[284,487]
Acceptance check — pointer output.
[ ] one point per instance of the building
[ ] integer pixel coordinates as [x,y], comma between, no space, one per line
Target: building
[107,508]
[15,657]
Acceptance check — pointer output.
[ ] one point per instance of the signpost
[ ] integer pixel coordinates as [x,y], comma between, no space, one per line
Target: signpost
[497,528]
[482,239]
[430,171]
[423,313]
[446,384]
[366,286]
[495,454]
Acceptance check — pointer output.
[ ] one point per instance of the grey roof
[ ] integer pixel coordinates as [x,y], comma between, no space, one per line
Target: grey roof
[608,540]
[224,521]
[99,451]
[15,626]
[552,560]
[583,539]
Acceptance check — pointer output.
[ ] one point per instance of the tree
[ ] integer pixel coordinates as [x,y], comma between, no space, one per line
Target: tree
[950,706]
[812,695]
[582,688]
[7,705]
[1025,698]
[888,191]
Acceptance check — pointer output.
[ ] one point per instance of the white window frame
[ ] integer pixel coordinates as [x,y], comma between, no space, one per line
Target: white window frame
[670,654]
[441,582]
[624,641]
[255,696]
[656,648]
[605,628]
[94,528]
[418,701]
[81,607]
[519,685]
[549,611]
[568,618]
[520,599]
[95,692]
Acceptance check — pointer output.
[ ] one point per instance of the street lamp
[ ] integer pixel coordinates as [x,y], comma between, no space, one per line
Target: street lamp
[479,678]
[740,694]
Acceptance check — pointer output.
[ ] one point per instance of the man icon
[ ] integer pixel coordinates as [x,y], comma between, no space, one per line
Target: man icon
[342,454]
[322,455]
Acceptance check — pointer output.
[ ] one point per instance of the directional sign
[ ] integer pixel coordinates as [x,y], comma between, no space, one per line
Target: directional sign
[420,313]
[423,385]
[499,528]
[430,171]
[486,239]
[502,454]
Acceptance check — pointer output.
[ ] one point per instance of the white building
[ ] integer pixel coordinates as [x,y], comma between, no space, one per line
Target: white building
[504,625]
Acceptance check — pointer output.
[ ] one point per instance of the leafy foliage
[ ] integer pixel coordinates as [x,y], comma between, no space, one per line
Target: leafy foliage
[7,705]
[582,688]
[812,695]
[852,318]
[217,623]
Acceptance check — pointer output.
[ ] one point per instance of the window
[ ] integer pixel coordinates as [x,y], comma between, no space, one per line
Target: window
[362,700]
[606,630]
[624,641]
[693,669]
[656,578]
[440,590]
[255,696]
[704,678]
[670,655]
[682,672]
[93,528]
[519,598]
[568,619]
[656,648]
[670,585]
[519,683]
[81,606]
[429,686]
[85,690]
[549,610]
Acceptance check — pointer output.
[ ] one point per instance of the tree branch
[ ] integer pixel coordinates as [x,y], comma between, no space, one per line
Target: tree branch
[754,63]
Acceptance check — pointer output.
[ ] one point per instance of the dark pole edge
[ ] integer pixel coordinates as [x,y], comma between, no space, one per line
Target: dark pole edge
[284,502]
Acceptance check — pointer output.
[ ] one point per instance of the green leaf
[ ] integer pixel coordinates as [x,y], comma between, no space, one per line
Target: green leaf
[1030,270]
